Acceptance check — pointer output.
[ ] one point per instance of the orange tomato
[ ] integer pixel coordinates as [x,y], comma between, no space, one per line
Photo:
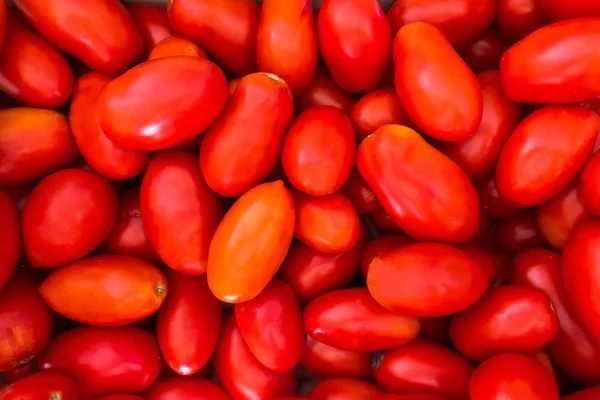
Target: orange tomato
[176,46]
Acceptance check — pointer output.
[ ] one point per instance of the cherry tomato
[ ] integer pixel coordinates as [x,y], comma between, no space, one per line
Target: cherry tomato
[323,91]
[324,361]
[242,375]
[251,242]
[587,394]
[426,280]
[344,388]
[176,46]
[73,27]
[546,68]
[20,372]
[590,185]
[152,23]
[485,51]
[179,211]
[380,246]
[176,388]
[423,367]
[43,385]
[376,109]
[210,24]
[10,237]
[558,10]
[492,204]
[518,18]
[132,115]
[512,376]
[33,143]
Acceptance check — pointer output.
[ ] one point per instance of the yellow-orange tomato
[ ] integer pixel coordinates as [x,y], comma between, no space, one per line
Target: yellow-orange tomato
[176,46]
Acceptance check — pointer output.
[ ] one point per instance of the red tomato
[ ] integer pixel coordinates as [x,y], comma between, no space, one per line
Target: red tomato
[242,375]
[410,397]
[376,109]
[177,388]
[106,158]
[344,388]
[324,361]
[385,223]
[2,22]
[152,23]
[492,204]
[558,10]
[319,150]
[122,397]
[25,321]
[485,51]
[587,394]
[519,232]
[360,193]
[478,154]
[423,54]
[10,237]
[19,195]
[176,46]
[233,84]
[460,20]
[132,115]
[74,27]
[43,385]
[518,18]
[426,280]
[423,367]
[243,145]
[546,68]
[20,372]
[251,242]
[436,329]
[323,91]
[380,246]
[571,348]
[33,143]
[512,376]
[590,186]
[210,24]
[286,44]
[485,259]
[53,234]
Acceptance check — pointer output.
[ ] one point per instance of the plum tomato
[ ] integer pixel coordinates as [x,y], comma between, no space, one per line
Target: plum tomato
[152,23]
[176,46]
[43,385]
[518,18]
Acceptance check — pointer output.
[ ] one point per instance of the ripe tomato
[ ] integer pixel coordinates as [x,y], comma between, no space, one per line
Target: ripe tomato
[176,388]
[512,376]
[410,397]
[344,388]
[423,367]
[426,280]
[518,233]
[587,394]
[485,51]
[33,143]
[324,361]
[132,116]
[422,53]
[152,23]
[360,193]
[485,259]
[492,204]
[384,223]
[590,186]
[176,46]
[181,225]
[43,385]
[122,397]
[558,10]
[380,246]
[518,18]
[209,23]
[436,329]
[2,22]
[242,375]
[251,242]
[376,109]
[323,91]
[20,372]
[10,237]
[73,27]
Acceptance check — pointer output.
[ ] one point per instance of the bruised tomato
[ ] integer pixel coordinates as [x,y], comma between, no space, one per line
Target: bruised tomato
[380,246]
[484,53]
[590,185]
[10,237]
[344,388]
[152,23]
[176,46]
[360,193]
[518,18]
[176,388]
[324,361]
[376,109]
[43,385]
[323,91]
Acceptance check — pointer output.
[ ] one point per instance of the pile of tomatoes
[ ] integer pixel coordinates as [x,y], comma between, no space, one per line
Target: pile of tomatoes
[223,199]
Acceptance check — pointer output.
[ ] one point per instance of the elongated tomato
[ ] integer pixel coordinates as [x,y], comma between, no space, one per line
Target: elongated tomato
[152,22]
[10,237]
[324,361]
[425,192]
[251,242]
[558,10]
[174,388]
[43,385]
[176,46]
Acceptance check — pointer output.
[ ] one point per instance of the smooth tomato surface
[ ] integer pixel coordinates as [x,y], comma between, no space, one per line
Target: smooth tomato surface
[518,18]
[324,361]
[176,46]
[379,246]
[590,185]
[344,388]
[10,237]
[152,23]
[177,388]
[43,385]
[376,109]
[323,91]
[558,10]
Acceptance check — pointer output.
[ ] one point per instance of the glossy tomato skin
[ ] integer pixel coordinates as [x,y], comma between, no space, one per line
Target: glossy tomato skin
[251,242]
[33,143]
[344,388]
[323,91]
[587,394]
[179,211]
[209,24]
[545,68]
[376,109]
[43,385]
[176,46]
[492,204]
[485,51]
[152,23]
[426,280]
[518,18]
[422,53]
[360,193]
[176,388]
[423,367]
[10,237]
[242,375]
[72,26]
[558,10]
[324,361]
[512,375]
[589,188]
[379,246]
[319,150]
[132,117]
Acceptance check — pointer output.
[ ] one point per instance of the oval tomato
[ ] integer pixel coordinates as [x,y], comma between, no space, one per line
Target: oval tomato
[423,54]
[426,280]
[43,385]
[376,109]
[587,394]
[73,27]
[33,143]
[485,51]
[181,225]
[323,91]
[558,10]
[590,186]
[176,46]
[403,170]
[518,18]
[10,237]
[360,193]
[251,242]
[324,361]
[177,388]
[492,204]
[152,23]
[379,246]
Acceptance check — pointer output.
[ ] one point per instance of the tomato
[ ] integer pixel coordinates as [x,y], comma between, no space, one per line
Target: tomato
[323,91]
[380,246]
[512,376]
[478,154]
[436,329]
[209,23]
[152,23]
[558,10]
[423,367]
[25,321]
[132,116]
[410,397]
[73,27]
[122,397]
[10,237]
[590,186]
[177,388]
[492,204]
[485,51]
[20,372]
[426,280]
[518,18]
[43,385]
[571,348]
[483,237]
[546,68]
[286,42]
[485,259]
[179,226]
[422,53]
[233,84]
[324,361]
[49,84]
[519,232]
[344,388]
[242,375]
[587,394]
[459,20]
[33,143]
[385,223]
[2,22]
[360,193]
[376,109]
[251,242]
[176,46]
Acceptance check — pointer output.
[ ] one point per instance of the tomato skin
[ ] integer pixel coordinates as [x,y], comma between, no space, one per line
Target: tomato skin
[104,360]
[33,143]
[344,388]
[423,367]
[410,397]
[379,246]
[242,375]
[589,188]
[485,259]
[485,51]
[323,91]
[132,118]
[72,26]
[376,109]
[251,242]
[518,233]
[422,53]
[152,23]
[545,68]
[385,223]
[587,394]
[209,24]
[360,193]
[426,280]
[324,361]
[243,145]
[514,376]
[176,388]
[2,22]
[176,46]
[122,397]
[181,225]
[492,204]
[518,18]
[10,237]
[20,372]
[43,385]
[436,329]
[558,10]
